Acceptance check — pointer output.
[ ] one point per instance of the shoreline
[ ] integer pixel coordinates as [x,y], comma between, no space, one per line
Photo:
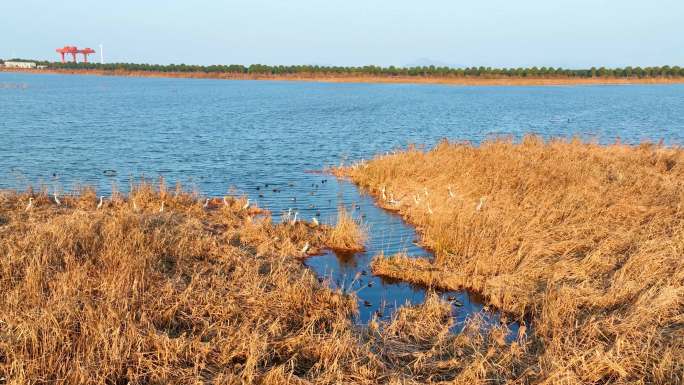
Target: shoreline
[456,81]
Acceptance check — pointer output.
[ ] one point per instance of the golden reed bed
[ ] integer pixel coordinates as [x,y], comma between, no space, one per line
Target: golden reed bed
[167,287]
[584,239]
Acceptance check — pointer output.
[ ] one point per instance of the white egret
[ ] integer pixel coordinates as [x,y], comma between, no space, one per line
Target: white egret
[315,222]
[57,201]
[161,209]
[481,204]
[99,205]
[206,203]
[29,206]
[246,206]
[305,248]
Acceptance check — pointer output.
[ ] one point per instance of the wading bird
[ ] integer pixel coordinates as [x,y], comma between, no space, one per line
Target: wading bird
[315,222]
[305,248]
[57,201]
[206,203]
[99,205]
[481,204]
[29,206]
[246,206]
[521,331]
[294,220]
[161,209]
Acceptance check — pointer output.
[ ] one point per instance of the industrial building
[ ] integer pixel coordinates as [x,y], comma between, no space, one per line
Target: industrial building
[20,64]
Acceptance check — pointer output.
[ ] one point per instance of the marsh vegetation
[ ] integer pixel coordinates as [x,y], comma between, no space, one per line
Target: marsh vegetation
[586,240]
[165,286]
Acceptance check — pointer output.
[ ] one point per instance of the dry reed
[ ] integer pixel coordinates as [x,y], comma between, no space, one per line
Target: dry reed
[348,234]
[167,287]
[585,239]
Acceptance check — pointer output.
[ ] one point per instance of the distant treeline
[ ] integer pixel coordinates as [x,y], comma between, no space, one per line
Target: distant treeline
[371,70]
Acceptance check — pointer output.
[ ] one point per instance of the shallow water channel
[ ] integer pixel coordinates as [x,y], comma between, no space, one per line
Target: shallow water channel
[314,195]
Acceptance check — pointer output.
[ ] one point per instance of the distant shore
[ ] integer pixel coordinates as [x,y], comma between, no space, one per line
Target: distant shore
[338,78]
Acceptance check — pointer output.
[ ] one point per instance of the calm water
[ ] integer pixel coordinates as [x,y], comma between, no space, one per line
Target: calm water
[216,135]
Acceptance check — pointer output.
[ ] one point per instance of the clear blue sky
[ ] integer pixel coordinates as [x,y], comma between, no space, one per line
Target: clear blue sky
[498,33]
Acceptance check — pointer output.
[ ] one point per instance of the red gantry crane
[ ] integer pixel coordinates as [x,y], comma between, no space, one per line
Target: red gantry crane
[73,51]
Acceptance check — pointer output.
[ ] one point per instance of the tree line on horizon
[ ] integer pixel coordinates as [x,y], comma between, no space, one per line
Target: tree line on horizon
[372,70]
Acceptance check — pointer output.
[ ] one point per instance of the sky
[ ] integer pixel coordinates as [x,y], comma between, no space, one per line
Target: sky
[496,33]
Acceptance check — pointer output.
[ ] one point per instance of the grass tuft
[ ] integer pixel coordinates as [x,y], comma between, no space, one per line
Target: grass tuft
[348,234]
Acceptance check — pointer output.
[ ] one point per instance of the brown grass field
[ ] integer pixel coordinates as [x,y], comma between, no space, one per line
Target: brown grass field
[165,287]
[341,78]
[585,240]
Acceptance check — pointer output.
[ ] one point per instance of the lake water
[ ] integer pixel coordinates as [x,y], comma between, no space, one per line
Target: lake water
[215,135]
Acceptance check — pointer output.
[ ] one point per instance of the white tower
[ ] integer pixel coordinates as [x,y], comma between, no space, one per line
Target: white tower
[101,55]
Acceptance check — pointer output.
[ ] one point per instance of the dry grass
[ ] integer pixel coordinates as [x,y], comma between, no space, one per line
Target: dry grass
[587,240]
[131,294]
[348,234]
[350,78]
